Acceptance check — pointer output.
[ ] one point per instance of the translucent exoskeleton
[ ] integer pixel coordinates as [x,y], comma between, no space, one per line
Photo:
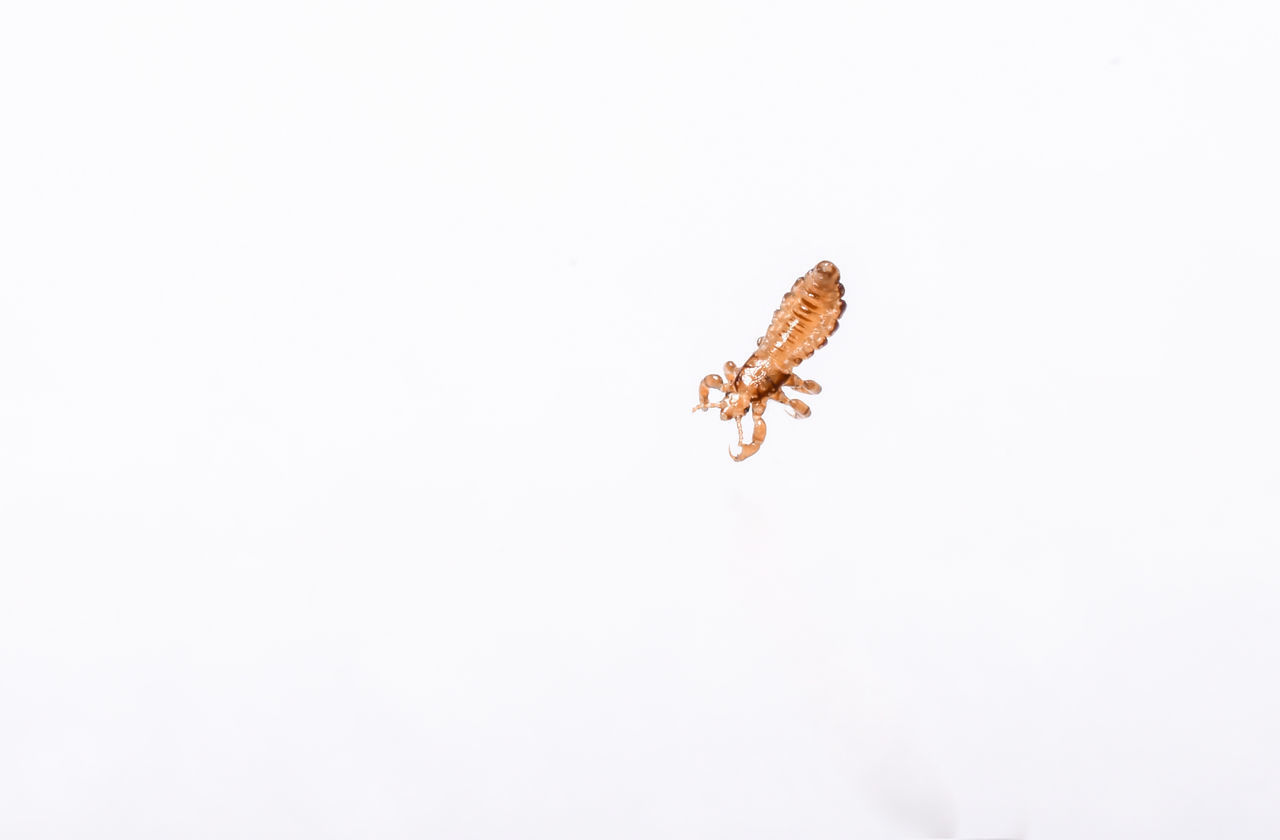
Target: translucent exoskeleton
[809,314]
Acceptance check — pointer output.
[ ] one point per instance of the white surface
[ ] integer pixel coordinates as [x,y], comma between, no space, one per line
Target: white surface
[348,479]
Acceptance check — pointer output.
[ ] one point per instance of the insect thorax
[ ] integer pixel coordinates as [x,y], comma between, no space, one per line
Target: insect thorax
[759,377]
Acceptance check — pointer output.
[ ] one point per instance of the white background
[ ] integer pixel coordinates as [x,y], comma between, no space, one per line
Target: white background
[348,479]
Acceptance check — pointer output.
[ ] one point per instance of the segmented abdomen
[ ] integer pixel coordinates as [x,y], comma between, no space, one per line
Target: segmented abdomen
[809,314]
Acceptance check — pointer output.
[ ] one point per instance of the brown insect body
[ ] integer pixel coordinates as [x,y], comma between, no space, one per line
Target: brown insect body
[807,317]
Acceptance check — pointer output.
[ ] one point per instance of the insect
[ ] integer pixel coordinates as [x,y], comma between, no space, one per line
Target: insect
[807,317]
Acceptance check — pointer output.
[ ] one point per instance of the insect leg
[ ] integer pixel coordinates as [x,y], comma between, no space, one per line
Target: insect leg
[796,408]
[804,386]
[708,382]
[757,433]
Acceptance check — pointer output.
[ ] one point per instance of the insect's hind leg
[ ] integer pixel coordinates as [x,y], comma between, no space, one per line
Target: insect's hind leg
[758,430]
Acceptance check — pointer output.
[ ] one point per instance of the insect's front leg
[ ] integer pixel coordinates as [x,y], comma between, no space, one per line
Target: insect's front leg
[758,430]
[709,382]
